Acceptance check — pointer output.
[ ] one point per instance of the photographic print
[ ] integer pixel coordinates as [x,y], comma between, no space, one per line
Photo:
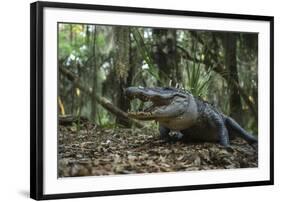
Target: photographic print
[142,100]
[131,100]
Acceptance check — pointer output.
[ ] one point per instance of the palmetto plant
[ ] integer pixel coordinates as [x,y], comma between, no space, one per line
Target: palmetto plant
[198,80]
[198,77]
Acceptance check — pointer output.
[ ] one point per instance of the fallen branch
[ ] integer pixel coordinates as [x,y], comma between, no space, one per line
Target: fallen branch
[66,120]
[105,103]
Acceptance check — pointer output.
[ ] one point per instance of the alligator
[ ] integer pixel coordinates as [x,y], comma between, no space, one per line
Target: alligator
[183,116]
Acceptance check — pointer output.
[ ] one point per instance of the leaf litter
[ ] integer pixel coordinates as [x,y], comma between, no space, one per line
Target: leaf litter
[95,151]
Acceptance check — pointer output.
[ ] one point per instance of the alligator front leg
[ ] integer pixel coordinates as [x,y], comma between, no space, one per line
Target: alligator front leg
[176,135]
[168,135]
[164,133]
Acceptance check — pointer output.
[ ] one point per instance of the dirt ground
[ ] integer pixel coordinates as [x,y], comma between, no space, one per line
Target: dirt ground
[92,150]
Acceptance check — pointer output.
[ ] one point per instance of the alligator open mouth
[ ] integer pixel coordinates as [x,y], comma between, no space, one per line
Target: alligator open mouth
[146,109]
[150,104]
[165,105]
[143,112]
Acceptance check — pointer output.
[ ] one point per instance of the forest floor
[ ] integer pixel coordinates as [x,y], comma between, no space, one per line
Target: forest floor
[92,150]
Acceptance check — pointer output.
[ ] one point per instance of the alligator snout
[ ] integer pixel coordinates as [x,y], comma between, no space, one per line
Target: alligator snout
[156,95]
[135,92]
[129,92]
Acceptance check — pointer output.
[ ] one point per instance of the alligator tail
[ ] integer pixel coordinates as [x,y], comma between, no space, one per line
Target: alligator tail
[234,126]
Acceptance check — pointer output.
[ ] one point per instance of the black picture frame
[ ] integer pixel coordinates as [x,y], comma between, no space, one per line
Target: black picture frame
[37,99]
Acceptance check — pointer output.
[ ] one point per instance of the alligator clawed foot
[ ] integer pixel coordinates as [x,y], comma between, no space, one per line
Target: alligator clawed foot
[175,136]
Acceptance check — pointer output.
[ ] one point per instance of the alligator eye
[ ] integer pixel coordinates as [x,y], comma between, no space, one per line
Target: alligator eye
[167,88]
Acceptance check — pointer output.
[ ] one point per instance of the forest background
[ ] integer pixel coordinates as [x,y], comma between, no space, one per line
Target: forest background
[97,62]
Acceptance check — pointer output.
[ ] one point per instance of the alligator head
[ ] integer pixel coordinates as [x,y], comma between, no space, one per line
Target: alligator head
[169,106]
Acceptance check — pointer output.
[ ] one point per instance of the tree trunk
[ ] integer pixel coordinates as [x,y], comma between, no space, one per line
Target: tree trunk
[165,55]
[94,77]
[230,43]
[121,67]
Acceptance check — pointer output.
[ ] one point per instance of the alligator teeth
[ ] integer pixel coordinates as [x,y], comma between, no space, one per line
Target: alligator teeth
[170,83]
